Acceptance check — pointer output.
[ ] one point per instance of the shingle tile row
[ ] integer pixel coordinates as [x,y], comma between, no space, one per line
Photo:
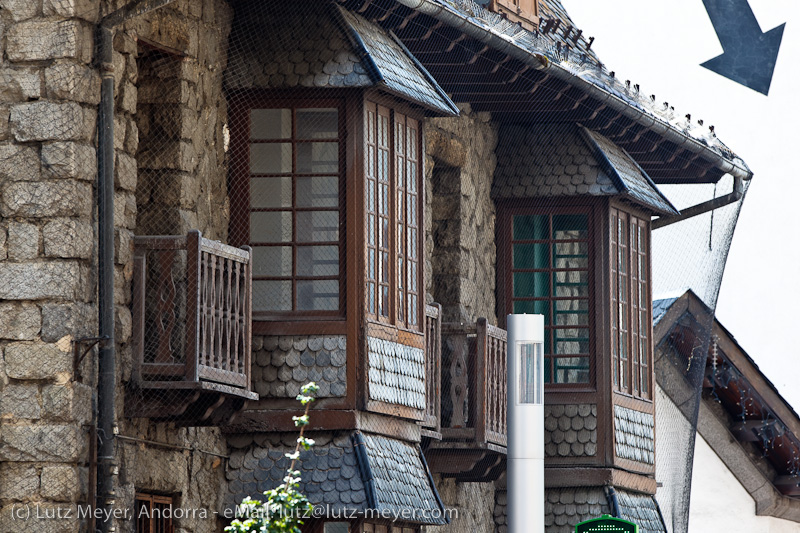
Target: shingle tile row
[634,435]
[570,430]
[396,373]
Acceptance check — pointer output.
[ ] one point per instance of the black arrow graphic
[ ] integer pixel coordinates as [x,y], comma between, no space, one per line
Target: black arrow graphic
[749,54]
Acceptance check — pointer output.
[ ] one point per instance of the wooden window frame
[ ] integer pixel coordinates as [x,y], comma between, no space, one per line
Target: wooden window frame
[397,246]
[163,524]
[506,213]
[239,192]
[631,375]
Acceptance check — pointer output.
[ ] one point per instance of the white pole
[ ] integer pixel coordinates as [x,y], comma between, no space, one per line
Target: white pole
[525,361]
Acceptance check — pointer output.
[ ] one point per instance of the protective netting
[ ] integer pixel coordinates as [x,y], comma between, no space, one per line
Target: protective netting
[295,201]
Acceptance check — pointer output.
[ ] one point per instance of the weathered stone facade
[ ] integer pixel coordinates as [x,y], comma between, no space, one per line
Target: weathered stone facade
[460,241]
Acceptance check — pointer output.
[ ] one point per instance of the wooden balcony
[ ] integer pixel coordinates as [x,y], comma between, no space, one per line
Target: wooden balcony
[192,328]
[473,403]
[432,423]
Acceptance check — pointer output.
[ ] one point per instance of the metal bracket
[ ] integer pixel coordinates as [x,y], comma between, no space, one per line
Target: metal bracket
[77,356]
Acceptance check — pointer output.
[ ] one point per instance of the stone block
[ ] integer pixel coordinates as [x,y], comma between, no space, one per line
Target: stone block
[123,323]
[23,241]
[124,43]
[123,246]
[55,443]
[18,163]
[127,98]
[74,82]
[20,84]
[48,121]
[5,130]
[125,172]
[69,160]
[46,199]
[18,482]
[38,360]
[71,402]
[41,40]
[68,238]
[3,248]
[41,280]
[61,483]
[21,9]
[20,401]
[19,321]
[59,320]
[83,9]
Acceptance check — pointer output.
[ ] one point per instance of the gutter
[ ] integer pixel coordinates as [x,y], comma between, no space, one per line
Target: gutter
[541,62]
[107,429]
[732,197]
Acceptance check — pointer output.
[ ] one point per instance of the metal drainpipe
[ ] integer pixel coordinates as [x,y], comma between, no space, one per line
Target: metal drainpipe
[705,207]
[107,469]
[540,62]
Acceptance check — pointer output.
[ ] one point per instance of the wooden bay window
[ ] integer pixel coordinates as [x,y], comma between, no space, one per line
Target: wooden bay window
[630,303]
[393,218]
[548,258]
[288,195]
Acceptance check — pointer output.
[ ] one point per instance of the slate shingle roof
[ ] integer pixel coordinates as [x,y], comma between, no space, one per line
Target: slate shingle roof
[640,509]
[634,435]
[396,373]
[315,44]
[566,160]
[351,473]
[630,178]
[563,508]
[399,71]
[660,308]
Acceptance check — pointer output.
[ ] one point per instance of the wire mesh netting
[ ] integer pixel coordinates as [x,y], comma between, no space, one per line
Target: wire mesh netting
[297,198]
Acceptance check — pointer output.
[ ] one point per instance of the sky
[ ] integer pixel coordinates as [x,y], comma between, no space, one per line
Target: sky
[660,46]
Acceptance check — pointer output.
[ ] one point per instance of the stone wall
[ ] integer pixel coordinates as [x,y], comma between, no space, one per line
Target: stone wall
[48,115]
[460,241]
[472,506]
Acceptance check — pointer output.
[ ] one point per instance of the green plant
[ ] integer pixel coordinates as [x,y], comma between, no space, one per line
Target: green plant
[284,507]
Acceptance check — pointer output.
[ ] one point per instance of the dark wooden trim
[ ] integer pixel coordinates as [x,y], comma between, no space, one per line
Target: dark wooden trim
[354,244]
[632,402]
[395,410]
[635,467]
[306,327]
[560,477]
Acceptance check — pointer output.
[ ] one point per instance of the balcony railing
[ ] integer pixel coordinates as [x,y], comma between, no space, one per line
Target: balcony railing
[474,383]
[433,369]
[192,317]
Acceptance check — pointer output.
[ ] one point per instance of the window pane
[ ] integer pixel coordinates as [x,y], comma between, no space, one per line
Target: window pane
[317,261]
[572,340]
[577,318]
[271,226]
[318,295]
[271,158]
[571,369]
[570,227]
[267,124]
[271,192]
[272,295]
[530,227]
[531,284]
[566,284]
[337,527]
[272,261]
[571,255]
[321,123]
[318,158]
[317,226]
[318,191]
[529,256]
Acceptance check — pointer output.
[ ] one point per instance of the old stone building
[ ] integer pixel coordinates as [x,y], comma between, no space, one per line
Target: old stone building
[354,193]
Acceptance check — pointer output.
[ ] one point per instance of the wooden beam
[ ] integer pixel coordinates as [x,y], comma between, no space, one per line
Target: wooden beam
[787,485]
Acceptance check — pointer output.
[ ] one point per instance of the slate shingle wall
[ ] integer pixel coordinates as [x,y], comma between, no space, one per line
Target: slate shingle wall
[396,373]
[570,430]
[563,508]
[634,435]
[547,160]
[298,45]
[283,364]
[640,509]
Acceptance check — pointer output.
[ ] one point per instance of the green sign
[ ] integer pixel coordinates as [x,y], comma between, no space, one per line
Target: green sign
[607,524]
